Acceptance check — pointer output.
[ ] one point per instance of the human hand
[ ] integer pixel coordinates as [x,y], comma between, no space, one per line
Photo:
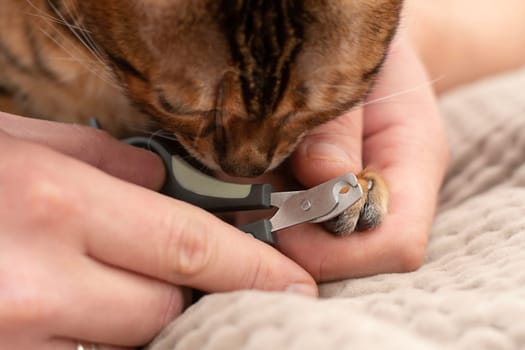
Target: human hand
[398,133]
[93,255]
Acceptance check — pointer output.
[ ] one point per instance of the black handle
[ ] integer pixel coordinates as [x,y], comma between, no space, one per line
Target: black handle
[185,183]
[262,230]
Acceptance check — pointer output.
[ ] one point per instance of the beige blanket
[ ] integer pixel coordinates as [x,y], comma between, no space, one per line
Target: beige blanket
[469,294]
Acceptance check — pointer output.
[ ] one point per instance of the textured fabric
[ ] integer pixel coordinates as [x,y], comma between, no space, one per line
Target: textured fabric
[470,292]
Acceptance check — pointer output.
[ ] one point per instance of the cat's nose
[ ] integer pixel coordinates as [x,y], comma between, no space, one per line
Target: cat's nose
[244,167]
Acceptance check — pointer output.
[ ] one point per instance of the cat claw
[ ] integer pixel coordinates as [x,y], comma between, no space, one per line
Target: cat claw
[368,212]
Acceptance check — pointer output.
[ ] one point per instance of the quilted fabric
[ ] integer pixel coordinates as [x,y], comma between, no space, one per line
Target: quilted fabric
[470,292]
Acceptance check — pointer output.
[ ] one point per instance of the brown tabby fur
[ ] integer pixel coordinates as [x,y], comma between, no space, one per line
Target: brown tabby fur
[237,82]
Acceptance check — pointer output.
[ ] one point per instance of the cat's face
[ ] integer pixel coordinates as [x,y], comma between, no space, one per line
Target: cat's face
[238,82]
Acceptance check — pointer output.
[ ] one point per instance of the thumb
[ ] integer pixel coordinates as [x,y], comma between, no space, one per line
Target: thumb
[330,150]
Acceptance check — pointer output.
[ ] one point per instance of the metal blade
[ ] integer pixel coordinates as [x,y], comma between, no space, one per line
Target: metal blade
[317,204]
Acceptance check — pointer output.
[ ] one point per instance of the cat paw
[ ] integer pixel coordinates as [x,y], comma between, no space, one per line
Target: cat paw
[368,212]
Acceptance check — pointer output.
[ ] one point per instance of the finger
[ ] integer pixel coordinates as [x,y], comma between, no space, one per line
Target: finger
[57,291]
[102,304]
[410,147]
[184,245]
[91,146]
[404,141]
[330,150]
[139,230]
[397,245]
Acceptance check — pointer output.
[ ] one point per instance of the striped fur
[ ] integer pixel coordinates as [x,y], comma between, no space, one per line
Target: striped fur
[237,82]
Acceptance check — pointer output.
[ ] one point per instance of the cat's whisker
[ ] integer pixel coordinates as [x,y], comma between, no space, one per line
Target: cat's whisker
[403,92]
[41,13]
[53,20]
[142,131]
[75,15]
[44,15]
[81,37]
[85,63]
[152,136]
[70,78]
[64,58]
[86,35]
[61,21]
[47,18]
[60,44]
[96,50]
[86,66]
[167,135]
[158,133]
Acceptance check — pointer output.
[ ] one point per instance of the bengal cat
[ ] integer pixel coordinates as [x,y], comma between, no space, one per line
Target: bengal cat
[237,82]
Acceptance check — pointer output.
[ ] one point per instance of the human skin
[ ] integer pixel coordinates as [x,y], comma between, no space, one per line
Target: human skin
[90,252]
[448,34]
[79,220]
[82,194]
[399,134]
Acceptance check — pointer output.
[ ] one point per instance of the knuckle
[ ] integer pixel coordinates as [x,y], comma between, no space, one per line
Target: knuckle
[47,202]
[26,306]
[188,250]
[39,194]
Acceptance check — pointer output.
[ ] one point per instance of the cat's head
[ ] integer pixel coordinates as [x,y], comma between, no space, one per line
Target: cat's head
[238,82]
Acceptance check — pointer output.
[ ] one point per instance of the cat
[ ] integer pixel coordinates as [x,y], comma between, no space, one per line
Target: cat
[238,83]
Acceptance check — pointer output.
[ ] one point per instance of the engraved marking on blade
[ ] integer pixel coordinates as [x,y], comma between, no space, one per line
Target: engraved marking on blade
[306,205]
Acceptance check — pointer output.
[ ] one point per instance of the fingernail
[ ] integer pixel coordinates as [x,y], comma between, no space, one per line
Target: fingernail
[327,152]
[302,289]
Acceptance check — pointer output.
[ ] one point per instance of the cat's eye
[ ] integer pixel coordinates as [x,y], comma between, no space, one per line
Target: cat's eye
[165,104]
[172,106]
[126,67]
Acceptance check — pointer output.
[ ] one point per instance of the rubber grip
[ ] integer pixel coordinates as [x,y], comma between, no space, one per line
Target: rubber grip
[185,183]
[262,230]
